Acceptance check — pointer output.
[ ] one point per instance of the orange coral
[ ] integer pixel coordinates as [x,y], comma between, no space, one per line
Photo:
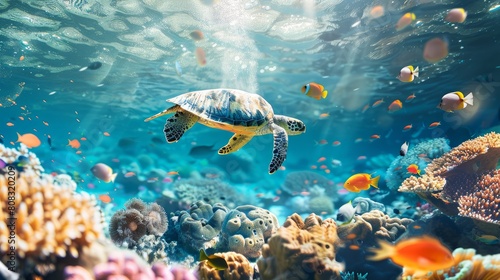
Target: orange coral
[304,249]
[238,268]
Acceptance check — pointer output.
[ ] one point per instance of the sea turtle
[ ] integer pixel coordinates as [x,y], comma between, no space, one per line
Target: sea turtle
[246,114]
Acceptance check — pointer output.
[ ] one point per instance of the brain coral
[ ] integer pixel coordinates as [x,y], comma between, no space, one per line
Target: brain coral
[463,180]
[199,227]
[301,249]
[212,191]
[239,268]
[53,221]
[138,219]
[246,228]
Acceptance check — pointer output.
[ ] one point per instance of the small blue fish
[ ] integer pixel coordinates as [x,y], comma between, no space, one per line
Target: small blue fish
[178,68]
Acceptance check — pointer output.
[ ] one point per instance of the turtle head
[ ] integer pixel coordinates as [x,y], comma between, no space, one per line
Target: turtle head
[291,125]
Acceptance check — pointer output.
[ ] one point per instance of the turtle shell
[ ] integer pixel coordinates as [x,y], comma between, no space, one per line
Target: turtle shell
[226,106]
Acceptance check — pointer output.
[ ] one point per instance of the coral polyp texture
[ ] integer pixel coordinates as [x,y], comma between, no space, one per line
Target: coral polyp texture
[53,221]
[468,266]
[239,268]
[138,219]
[301,249]
[246,229]
[463,181]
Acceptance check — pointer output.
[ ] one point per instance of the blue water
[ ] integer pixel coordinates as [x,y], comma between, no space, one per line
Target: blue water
[271,48]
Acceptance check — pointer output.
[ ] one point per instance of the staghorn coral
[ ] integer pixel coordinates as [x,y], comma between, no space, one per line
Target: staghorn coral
[468,266]
[212,191]
[299,181]
[373,225]
[200,226]
[462,181]
[432,148]
[128,225]
[246,228]
[302,249]
[239,268]
[53,222]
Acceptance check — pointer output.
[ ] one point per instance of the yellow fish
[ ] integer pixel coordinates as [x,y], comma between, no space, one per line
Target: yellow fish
[408,74]
[405,20]
[454,101]
[214,261]
[360,182]
[314,90]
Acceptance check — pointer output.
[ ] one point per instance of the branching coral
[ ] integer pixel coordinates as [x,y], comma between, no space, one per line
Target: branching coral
[246,228]
[239,268]
[468,266]
[138,219]
[303,249]
[52,220]
[21,159]
[466,178]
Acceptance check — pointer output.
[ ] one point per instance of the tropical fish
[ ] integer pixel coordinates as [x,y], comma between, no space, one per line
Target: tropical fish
[488,239]
[92,66]
[75,144]
[410,98]
[419,253]
[405,20]
[435,50]
[200,56]
[49,141]
[377,103]
[346,213]
[407,127]
[314,90]
[29,139]
[404,149]
[408,74]
[396,105]
[457,15]
[214,261]
[413,169]
[361,181]
[454,101]
[103,172]
[105,198]
[196,35]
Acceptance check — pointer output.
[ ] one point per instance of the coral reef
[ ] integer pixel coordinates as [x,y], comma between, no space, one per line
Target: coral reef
[200,226]
[123,265]
[372,226]
[53,222]
[300,181]
[322,205]
[463,181]
[21,159]
[246,229]
[239,268]
[152,249]
[364,204]
[212,191]
[138,219]
[418,154]
[302,249]
[468,266]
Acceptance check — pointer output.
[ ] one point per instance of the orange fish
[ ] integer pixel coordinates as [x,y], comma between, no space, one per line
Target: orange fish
[405,20]
[197,35]
[322,142]
[129,174]
[396,105]
[410,98]
[324,115]
[336,143]
[10,124]
[377,11]
[377,103]
[361,181]
[75,144]
[200,56]
[321,159]
[29,139]
[170,173]
[83,139]
[314,90]
[105,198]
[375,136]
[407,127]
[434,125]
[21,58]
[413,169]
[418,253]
[106,133]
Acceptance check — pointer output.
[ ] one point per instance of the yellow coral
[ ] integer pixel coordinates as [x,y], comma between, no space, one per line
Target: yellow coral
[52,220]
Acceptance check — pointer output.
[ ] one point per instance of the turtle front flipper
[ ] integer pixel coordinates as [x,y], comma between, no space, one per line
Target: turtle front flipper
[172,109]
[177,124]
[280,147]
[235,143]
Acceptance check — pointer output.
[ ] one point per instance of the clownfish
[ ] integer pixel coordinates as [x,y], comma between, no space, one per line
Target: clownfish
[314,90]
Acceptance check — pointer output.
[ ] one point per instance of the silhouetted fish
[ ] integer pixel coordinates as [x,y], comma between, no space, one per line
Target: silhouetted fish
[202,151]
[92,66]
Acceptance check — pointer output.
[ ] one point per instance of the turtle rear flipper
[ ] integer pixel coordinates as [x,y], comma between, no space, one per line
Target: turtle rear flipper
[235,143]
[280,147]
[177,124]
